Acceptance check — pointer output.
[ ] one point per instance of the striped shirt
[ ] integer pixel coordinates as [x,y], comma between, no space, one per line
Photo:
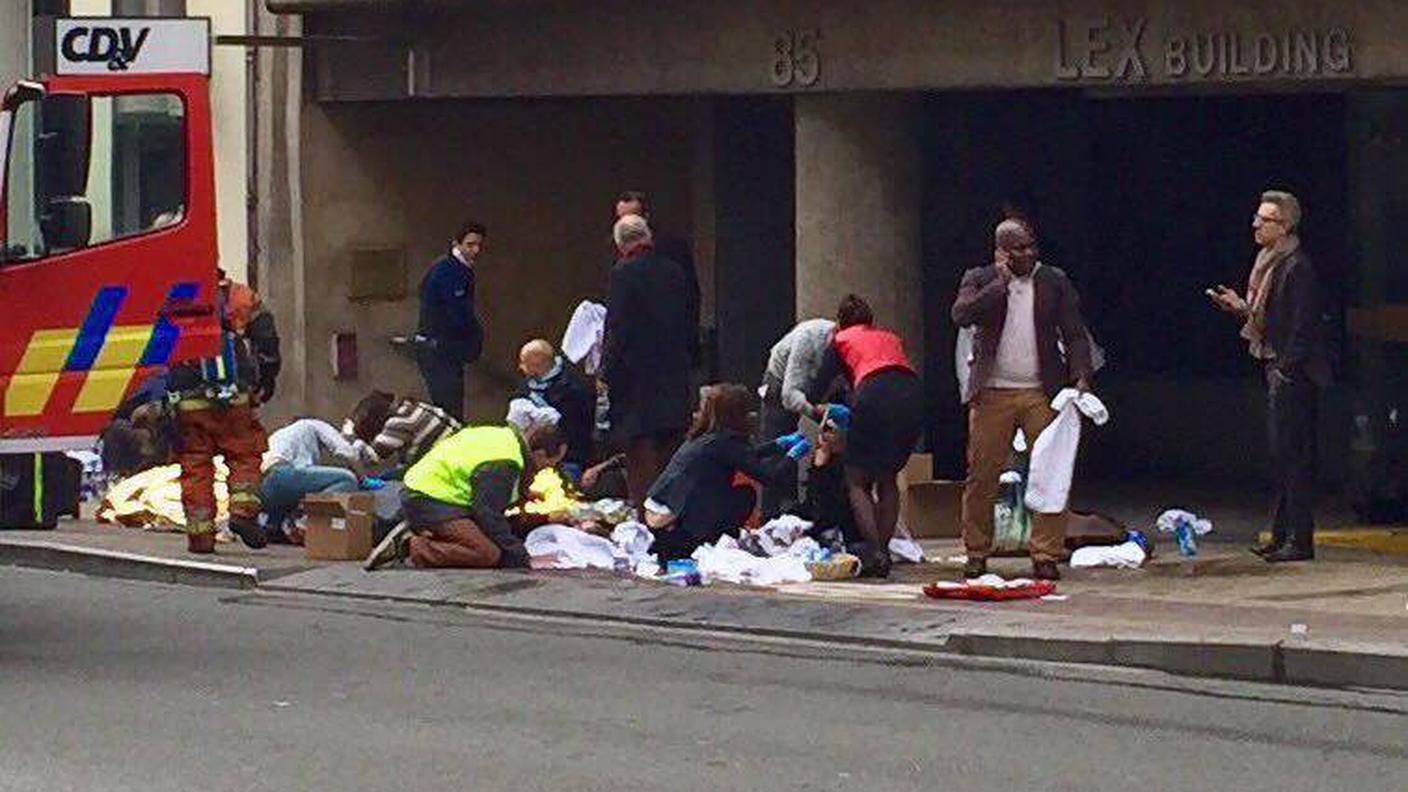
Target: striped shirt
[410,432]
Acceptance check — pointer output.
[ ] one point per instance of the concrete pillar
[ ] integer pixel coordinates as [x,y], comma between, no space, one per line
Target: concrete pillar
[859,181]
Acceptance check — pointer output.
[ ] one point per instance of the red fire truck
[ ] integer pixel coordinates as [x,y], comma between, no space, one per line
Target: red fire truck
[107,225]
[107,234]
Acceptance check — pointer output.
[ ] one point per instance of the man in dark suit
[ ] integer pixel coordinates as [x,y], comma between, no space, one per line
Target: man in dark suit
[675,248]
[1284,322]
[1020,308]
[646,361]
[450,336]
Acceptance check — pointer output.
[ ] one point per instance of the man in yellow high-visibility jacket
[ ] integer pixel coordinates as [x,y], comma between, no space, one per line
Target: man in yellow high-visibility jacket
[456,496]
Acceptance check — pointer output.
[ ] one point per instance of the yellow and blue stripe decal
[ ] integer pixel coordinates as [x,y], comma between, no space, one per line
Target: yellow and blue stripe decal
[108,355]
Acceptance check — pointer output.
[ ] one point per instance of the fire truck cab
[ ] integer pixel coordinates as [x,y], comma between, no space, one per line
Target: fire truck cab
[107,225]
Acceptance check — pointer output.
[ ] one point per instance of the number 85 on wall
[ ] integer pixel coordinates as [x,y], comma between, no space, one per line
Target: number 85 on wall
[797,59]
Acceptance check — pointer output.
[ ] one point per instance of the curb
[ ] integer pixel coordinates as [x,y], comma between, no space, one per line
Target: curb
[1251,661]
[127,566]
[1268,662]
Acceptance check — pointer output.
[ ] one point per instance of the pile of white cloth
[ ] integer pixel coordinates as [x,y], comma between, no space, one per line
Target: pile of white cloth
[726,561]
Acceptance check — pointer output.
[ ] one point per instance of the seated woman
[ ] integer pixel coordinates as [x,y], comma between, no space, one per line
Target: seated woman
[456,495]
[292,469]
[694,502]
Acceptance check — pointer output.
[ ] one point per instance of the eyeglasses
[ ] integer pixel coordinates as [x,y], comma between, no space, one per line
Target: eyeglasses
[1261,219]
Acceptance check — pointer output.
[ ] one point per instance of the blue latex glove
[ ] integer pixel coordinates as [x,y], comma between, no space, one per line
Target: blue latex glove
[786,442]
[372,483]
[800,449]
[840,415]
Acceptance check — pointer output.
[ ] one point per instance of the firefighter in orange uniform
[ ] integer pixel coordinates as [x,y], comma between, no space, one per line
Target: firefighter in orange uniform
[216,399]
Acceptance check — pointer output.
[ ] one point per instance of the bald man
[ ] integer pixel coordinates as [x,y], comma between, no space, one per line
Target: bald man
[549,380]
[1021,309]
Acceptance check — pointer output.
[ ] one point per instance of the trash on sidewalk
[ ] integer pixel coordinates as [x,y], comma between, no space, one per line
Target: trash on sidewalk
[683,572]
[904,548]
[570,548]
[1130,555]
[1185,526]
[990,588]
[725,560]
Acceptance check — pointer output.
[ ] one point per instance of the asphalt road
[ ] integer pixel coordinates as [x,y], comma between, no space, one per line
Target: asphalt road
[108,685]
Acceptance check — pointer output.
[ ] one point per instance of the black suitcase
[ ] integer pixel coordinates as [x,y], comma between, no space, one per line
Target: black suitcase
[37,489]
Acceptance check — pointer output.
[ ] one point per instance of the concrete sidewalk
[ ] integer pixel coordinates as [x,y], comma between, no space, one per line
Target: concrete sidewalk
[1341,621]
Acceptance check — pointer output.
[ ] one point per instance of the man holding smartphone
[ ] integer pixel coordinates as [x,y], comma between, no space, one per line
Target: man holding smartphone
[1284,322]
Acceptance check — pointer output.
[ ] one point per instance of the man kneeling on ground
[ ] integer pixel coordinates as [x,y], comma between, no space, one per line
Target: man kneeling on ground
[456,495]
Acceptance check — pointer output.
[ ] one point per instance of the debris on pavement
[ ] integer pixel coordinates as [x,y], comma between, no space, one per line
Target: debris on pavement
[1185,527]
[990,588]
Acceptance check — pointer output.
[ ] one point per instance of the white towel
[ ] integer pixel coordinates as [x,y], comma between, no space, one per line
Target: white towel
[1054,452]
[582,341]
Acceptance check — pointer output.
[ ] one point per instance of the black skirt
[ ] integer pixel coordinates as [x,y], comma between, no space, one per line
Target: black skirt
[886,420]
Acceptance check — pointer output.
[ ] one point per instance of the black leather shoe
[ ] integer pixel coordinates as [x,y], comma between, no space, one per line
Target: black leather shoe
[975,568]
[1264,549]
[1045,570]
[249,532]
[1287,553]
[875,564]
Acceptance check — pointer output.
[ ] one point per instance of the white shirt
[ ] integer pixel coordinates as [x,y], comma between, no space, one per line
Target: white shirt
[302,442]
[1017,364]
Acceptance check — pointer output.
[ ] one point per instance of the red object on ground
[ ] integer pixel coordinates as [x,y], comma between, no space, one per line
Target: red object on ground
[983,593]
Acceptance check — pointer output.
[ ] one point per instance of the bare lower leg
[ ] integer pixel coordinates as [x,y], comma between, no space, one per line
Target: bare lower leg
[887,508]
[858,492]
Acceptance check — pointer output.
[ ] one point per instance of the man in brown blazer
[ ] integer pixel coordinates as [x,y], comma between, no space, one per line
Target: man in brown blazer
[1021,308]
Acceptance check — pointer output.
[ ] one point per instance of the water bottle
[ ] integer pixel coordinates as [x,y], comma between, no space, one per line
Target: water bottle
[1187,545]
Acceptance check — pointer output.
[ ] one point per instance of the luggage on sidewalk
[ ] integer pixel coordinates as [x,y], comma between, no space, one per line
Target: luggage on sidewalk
[37,489]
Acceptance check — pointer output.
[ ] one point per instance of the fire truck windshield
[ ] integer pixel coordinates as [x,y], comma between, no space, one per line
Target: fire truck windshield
[85,170]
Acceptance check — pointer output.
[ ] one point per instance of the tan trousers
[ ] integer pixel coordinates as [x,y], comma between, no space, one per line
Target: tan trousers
[458,544]
[994,416]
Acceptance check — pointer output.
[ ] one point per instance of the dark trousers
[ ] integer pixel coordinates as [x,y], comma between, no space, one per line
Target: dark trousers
[723,514]
[646,456]
[1291,422]
[775,421]
[444,381]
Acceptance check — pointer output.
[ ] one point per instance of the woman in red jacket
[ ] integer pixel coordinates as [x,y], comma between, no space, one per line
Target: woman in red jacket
[887,417]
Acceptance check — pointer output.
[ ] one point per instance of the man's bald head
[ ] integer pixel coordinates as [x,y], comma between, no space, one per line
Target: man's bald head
[536,357]
[1016,245]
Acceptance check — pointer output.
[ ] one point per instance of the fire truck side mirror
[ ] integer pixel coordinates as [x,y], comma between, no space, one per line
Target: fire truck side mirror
[64,145]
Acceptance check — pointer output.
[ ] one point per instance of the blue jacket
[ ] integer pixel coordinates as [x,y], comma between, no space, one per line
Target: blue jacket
[447,312]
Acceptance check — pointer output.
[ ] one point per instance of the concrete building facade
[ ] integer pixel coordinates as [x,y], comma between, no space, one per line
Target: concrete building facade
[810,149]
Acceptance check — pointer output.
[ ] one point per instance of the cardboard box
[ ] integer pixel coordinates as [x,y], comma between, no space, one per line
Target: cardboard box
[339,526]
[932,509]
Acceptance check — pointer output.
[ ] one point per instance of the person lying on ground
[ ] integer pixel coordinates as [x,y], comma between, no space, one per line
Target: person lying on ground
[391,433]
[551,381]
[293,469]
[140,440]
[827,504]
[694,501]
[455,498]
